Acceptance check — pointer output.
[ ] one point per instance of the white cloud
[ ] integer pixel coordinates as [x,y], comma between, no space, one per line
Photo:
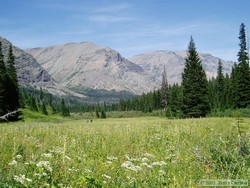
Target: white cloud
[110,19]
[114,8]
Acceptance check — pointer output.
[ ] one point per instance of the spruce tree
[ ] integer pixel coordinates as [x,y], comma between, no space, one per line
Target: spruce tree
[243,73]
[64,109]
[44,109]
[12,88]
[3,93]
[195,85]
[164,88]
[220,87]
[103,114]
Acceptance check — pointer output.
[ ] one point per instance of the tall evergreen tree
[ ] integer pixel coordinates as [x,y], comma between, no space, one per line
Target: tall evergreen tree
[64,109]
[243,73]
[195,85]
[12,88]
[220,87]
[44,109]
[164,88]
[3,93]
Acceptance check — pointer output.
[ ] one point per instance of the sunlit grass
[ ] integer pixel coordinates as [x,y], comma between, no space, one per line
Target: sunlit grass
[125,152]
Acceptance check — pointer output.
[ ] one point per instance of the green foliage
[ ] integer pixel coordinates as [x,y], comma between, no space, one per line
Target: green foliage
[9,91]
[195,85]
[164,88]
[241,74]
[44,110]
[103,114]
[131,152]
[64,109]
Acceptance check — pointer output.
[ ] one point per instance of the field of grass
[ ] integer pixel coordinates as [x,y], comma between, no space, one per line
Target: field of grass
[123,152]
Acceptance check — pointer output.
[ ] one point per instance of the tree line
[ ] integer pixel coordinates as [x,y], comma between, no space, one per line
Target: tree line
[197,96]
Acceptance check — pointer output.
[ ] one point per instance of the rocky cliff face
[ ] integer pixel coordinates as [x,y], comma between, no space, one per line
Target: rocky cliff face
[153,63]
[31,73]
[85,65]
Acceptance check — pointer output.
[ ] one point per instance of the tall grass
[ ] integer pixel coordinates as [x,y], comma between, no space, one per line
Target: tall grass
[124,152]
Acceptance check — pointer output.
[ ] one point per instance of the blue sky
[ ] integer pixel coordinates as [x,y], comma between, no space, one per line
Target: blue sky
[130,27]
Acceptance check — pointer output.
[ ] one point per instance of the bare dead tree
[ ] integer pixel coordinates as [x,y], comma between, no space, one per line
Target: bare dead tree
[5,117]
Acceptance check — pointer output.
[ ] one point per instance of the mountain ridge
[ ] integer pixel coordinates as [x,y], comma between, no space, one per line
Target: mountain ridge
[86,65]
[31,73]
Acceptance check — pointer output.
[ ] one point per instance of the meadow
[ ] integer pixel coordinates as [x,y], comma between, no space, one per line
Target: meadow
[123,152]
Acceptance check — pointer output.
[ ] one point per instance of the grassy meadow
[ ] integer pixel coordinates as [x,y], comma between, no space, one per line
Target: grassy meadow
[123,152]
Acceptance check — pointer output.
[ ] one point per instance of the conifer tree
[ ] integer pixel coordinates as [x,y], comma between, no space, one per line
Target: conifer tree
[64,109]
[164,88]
[2,83]
[33,104]
[243,73]
[44,109]
[103,114]
[12,88]
[220,87]
[195,85]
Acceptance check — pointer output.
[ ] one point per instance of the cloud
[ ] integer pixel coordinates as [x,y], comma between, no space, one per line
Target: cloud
[110,19]
[114,8]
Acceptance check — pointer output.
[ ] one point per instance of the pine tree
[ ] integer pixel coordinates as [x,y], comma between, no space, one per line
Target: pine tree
[243,73]
[103,114]
[175,100]
[33,104]
[164,88]
[3,82]
[97,113]
[64,109]
[12,88]
[195,85]
[220,87]
[44,109]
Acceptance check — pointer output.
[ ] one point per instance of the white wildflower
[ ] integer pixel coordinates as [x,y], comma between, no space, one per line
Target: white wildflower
[66,157]
[47,155]
[162,172]
[19,156]
[13,163]
[22,179]
[130,166]
[147,165]
[148,155]
[109,162]
[144,159]
[106,176]
[112,158]
[131,159]
[86,170]
[73,169]
[28,180]
[159,163]
[45,165]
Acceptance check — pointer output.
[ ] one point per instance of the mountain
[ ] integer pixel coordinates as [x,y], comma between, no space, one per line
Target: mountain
[153,63]
[80,66]
[86,66]
[31,73]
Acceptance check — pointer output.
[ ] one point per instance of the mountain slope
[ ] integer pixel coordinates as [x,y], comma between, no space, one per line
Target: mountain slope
[80,66]
[86,65]
[31,73]
[153,63]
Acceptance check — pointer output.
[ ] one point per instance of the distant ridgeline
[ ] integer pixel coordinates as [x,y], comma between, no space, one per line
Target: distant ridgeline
[196,96]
